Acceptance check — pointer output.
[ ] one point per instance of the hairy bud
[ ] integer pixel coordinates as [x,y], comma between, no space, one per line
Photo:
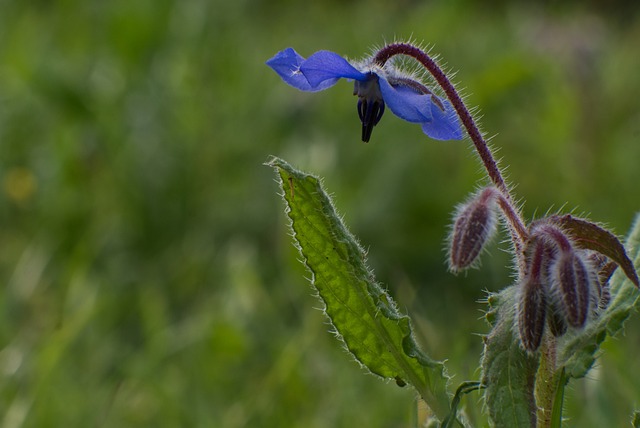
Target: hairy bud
[475,224]
[556,319]
[532,310]
[532,306]
[605,297]
[572,279]
[602,271]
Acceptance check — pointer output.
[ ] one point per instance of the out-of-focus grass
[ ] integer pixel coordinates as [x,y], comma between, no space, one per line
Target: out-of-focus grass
[147,275]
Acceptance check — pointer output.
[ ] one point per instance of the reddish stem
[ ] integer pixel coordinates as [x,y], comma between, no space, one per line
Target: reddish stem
[518,229]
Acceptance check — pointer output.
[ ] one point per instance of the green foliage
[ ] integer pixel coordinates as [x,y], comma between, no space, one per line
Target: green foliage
[509,371]
[364,316]
[147,279]
[558,401]
[579,353]
[517,384]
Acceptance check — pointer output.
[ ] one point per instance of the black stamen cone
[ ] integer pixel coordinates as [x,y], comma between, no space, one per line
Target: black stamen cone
[370,113]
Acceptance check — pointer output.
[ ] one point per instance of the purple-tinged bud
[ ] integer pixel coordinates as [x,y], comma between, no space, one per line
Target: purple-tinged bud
[474,225]
[602,268]
[532,310]
[556,318]
[605,297]
[573,281]
[543,254]
[605,272]
[532,305]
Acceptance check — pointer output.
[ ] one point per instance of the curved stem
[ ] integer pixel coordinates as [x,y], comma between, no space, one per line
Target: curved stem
[464,388]
[518,230]
[467,120]
[513,217]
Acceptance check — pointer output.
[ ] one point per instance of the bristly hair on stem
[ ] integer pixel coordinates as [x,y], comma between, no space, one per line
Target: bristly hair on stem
[517,225]
[441,78]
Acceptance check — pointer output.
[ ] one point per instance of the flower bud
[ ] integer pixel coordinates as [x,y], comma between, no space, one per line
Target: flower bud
[532,305]
[532,309]
[602,269]
[556,319]
[475,224]
[572,279]
[605,297]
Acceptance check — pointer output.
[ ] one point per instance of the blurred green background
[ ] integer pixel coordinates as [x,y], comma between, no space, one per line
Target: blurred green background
[148,278]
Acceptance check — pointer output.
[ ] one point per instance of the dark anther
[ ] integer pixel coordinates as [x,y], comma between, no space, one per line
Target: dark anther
[370,112]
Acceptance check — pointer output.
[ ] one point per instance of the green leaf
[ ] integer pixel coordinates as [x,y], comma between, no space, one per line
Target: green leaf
[577,352]
[509,372]
[556,411]
[363,314]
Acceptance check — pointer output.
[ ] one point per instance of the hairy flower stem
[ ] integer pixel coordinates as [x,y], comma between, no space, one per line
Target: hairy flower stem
[547,378]
[518,230]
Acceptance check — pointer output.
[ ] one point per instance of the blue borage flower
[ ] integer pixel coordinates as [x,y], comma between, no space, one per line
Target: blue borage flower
[375,86]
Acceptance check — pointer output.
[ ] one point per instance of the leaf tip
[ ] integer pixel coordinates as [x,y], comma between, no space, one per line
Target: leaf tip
[273,161]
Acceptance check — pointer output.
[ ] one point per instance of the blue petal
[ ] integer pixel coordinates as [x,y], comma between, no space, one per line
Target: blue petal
[287,64]
[406,103]
[325,68]
[445,124]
